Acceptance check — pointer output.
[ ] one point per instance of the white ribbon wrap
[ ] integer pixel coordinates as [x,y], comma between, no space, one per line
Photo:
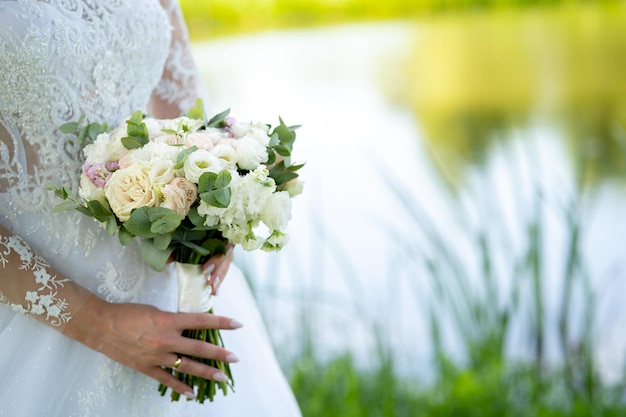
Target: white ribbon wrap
[194,291]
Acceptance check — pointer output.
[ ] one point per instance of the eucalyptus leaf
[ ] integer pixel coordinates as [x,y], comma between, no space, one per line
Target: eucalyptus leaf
[111,225]
[206,182]
[183,155]
[65,206]
[222,195]
[156,258]
[69,127]
[162,242]
[131,143]
[223,179]
[163,222]
[218,119]
[125,236]
[139,223]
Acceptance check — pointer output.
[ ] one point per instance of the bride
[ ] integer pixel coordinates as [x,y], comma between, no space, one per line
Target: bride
[86,328]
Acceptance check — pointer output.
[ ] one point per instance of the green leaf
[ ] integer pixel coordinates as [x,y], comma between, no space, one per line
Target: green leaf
[196,248]
[137,132]
[284,177]
[162,242]
[125,236]
[222,196]
[183,155]
[206,182]
[69,127]
[223,179]
[282,150]
[111,225]
[169,131]
[153,256]
[65,206]
[139,223]
[100,212]
[197,111]
[131,143]
[163,220]
[218,119]
[196,219]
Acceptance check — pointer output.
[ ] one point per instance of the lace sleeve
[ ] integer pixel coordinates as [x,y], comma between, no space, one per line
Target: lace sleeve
[30,286]
[181,82]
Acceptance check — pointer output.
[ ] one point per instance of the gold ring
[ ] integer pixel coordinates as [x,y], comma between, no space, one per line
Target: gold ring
[177,363]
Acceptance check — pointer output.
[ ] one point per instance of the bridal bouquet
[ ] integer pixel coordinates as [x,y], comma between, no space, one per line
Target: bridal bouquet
[187,187]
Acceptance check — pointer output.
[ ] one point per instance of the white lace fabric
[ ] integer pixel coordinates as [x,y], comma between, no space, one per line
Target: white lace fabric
[61,60]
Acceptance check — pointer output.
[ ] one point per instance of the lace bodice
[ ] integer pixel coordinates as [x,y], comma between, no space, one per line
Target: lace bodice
[65,59]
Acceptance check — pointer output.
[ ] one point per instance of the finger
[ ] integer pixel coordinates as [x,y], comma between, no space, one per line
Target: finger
[191,367]
[220,269]
[201,321]
[204,350]
[166,378]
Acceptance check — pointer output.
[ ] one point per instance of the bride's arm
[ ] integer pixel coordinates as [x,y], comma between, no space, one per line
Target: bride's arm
[181,82]
[136,335]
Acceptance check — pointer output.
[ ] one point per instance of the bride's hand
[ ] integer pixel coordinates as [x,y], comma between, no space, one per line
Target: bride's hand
[216,267]
[148,340]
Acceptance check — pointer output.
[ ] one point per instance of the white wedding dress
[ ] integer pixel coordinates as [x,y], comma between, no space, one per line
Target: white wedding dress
[60,60]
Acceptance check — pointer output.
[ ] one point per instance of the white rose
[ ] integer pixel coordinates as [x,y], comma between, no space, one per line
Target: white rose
[128,189]
[225,151]
[162,171]
[251,152]
[199,162]
[179,195]
[153,152]
[277,210]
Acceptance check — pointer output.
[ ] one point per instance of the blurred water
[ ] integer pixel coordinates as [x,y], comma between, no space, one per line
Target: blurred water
[347,258]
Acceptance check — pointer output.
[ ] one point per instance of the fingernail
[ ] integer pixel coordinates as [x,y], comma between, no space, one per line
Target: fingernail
[229,251]
[234,324]
[220,377]
[216,284]
[231,358]
[208,269]
[190,395]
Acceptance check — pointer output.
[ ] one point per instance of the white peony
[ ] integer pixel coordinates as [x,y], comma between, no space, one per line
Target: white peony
[199,162]
[130,188]
[277,210]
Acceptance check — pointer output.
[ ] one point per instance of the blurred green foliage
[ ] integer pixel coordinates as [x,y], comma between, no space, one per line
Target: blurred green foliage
[472,78]
[228,17]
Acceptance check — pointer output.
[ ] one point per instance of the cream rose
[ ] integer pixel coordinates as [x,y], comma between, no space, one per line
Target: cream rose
[179,195]
[130,188]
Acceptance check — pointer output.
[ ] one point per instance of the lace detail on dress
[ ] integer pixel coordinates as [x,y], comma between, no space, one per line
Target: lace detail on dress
[42,301]
[60,60]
